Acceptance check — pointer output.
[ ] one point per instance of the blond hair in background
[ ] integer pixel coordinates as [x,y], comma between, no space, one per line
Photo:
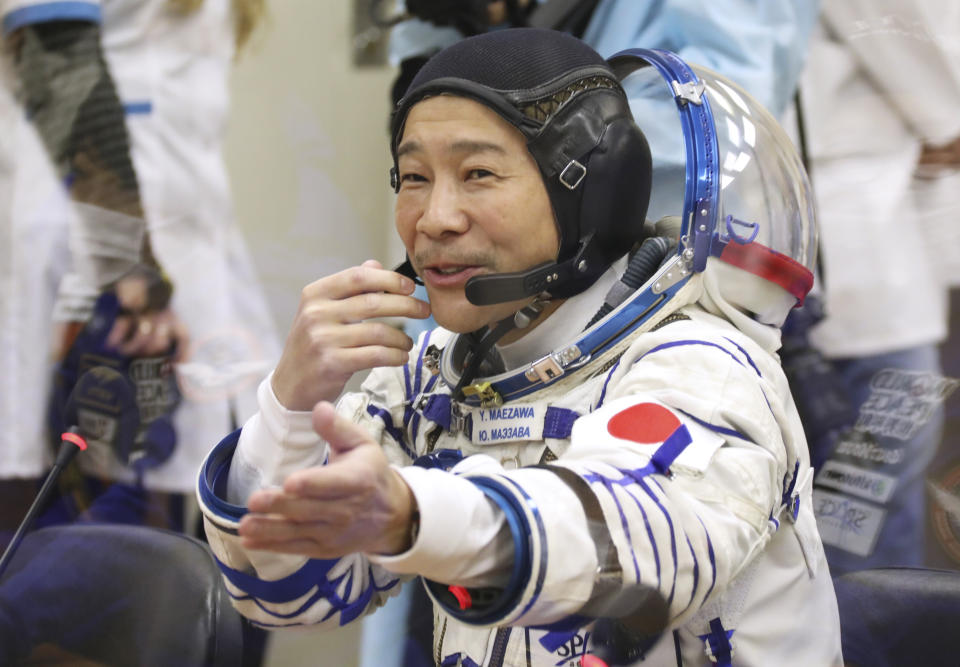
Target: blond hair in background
[246,15]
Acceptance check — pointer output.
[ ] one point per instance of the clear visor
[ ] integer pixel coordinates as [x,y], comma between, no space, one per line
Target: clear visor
[765,219]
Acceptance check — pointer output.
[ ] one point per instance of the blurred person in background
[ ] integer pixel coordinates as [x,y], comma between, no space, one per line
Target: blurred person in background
[149,81]
[63,125]
[879,101]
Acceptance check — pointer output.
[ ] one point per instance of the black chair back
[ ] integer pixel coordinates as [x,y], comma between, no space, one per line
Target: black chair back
[900,616]
[117,595]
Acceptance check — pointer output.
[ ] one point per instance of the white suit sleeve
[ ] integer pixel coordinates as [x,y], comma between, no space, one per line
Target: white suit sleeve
[268,588]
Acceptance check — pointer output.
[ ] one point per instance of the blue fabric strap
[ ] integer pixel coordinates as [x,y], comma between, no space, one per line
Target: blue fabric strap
[665,455]
[558,423]
[718,646]
[437,410]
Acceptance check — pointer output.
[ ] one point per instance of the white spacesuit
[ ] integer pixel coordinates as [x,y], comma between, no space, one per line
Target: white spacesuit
[653,461]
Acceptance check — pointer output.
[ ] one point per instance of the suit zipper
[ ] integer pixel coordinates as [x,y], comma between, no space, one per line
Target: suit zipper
[439,653]
[499,651]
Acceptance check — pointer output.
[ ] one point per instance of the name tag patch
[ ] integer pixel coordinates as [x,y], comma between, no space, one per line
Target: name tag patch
[507,423]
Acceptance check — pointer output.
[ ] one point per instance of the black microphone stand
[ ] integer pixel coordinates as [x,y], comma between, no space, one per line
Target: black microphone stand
[71,442]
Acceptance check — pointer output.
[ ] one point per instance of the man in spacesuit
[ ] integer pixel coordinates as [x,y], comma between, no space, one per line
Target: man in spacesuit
[600,427]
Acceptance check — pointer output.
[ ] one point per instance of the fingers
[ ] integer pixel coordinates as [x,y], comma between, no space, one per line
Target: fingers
[277,533]
[335,509]
[340,433]
[339,330]
[283,535]
[362,307]
[147,334]
[368,277]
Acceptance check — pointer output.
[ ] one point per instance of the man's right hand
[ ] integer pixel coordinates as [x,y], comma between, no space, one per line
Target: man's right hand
[335,333]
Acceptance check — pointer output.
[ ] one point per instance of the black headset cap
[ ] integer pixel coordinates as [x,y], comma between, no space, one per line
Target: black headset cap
[594,160]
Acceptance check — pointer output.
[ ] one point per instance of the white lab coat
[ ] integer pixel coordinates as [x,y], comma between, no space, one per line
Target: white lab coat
[172,75]
[33,235]
[879,83]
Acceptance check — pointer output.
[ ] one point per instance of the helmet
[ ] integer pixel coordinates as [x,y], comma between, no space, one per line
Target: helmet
[594,160]
[730,194]
[733,176]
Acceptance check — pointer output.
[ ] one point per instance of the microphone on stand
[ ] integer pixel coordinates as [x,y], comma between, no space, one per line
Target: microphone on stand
[102,400]
[71,442]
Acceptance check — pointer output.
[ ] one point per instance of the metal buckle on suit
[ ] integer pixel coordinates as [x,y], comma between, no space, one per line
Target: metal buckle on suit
[573,174]
[458,420]
[431,359]
[544,370]
[489,397]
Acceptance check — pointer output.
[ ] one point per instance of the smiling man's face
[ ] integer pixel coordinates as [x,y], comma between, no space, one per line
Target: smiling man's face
[471,202]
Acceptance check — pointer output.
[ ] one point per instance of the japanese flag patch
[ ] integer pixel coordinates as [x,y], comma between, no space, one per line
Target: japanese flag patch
[670,438]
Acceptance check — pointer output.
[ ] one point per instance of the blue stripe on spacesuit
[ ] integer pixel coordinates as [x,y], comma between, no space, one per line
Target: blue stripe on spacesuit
[51,11]
[521,532]
[283,590]
[788,501]
[558,422]
[312,574]
[685,343]
[745,354]
[542,532]
[713,560]
[788,488]
[713,427]
[458,660]
[753,365]
[608,485]
[394,432]
[139,108]
[437,410]
[696,576]
[650,537]
[603,391]
[409,391]
[212,481]
[673,537]
[350,611]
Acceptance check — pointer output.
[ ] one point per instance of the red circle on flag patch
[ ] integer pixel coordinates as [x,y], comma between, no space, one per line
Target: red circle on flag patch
[644,423]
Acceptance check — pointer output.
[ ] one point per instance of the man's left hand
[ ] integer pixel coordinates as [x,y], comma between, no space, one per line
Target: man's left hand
[355,503]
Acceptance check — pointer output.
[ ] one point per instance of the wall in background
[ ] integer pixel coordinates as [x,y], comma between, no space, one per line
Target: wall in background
[308,150]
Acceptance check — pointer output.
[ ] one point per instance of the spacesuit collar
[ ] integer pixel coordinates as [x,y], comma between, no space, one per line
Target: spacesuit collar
[714,302]
[572,315]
